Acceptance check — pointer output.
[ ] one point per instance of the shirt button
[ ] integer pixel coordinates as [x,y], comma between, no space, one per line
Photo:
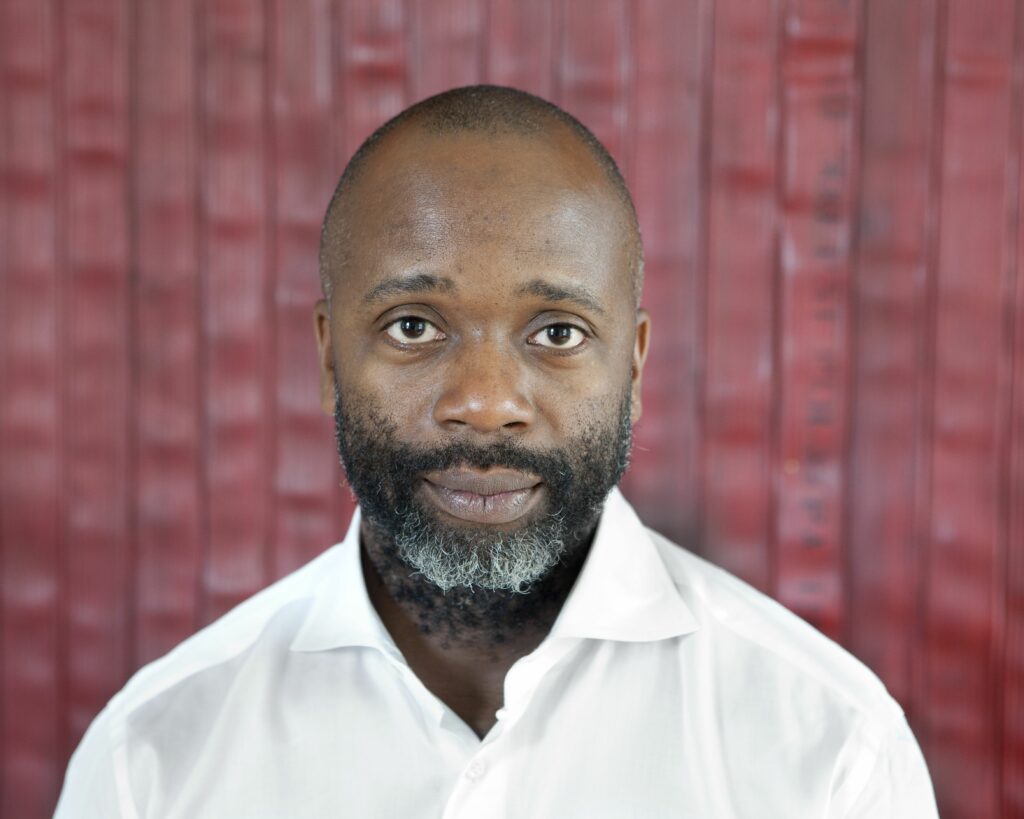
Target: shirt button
[475,770]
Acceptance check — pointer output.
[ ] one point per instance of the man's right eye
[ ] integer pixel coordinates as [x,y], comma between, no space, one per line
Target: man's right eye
[413,330]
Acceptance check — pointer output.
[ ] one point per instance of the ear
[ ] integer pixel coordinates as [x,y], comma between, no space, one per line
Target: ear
[325,354]
[641,342]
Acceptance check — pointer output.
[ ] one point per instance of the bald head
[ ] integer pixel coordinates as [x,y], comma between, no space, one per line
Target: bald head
[493,113]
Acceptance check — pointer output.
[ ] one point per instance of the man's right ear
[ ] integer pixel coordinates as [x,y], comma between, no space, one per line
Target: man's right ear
[325,354]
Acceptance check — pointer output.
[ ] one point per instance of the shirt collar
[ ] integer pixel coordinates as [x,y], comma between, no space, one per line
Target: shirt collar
[342,614]
[624,592]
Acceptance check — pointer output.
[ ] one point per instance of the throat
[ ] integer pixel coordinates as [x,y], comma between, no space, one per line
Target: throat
[461,644]
[490,623]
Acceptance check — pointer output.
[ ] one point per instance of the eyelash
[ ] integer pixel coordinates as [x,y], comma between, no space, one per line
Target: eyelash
[408,343]
[557,347]
[417,320]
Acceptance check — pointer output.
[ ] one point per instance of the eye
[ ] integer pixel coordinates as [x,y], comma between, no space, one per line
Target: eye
[413,330]
[559,337]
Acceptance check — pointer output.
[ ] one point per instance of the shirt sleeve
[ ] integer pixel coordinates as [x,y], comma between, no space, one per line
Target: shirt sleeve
[90,788]
[886,777]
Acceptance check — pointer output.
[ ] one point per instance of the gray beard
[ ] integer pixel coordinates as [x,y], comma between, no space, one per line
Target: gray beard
[502,561]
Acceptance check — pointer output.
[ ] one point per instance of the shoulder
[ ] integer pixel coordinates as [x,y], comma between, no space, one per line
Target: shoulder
[750,629]
[279,605]
[97,783]
[273,613]
[785,688]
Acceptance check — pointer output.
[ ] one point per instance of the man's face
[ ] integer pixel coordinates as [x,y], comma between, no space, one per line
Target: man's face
[482,351]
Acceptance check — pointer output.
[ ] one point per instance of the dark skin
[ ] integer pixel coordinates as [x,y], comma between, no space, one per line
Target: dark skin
[490,240]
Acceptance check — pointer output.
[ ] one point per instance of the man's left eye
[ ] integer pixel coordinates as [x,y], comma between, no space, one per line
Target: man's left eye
[559,337]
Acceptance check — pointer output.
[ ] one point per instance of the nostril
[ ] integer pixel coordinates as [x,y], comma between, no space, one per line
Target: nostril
[487,417]
[483,394]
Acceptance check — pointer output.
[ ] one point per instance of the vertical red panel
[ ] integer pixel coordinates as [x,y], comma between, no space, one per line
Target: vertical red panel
[890,319]
[168,489]
[96,374]
[963,523]
[820,94]
[306,466]
[672,62]
[448,45]
[1009,704]
[518,45]
[31,725]
[594,71]
[372,68]
[236,326]
[741,251]
[1012,704]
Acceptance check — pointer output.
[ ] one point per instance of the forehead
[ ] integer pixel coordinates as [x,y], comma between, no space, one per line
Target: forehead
[486,206]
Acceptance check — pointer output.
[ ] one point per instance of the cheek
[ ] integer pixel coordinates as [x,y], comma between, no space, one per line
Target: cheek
[381,394]
[592,416]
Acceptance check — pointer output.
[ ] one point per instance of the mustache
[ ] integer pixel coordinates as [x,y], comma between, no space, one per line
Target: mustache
[553,466]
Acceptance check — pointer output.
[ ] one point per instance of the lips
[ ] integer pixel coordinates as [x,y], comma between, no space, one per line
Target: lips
[494,496]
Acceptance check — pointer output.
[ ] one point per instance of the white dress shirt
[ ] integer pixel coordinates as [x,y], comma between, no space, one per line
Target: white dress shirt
[666,688]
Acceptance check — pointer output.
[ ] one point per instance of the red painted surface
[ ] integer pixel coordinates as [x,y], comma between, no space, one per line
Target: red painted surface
[737,392]
[32,471]
[95,249]
[819,92]
[165,425]
[891,323]
[831,198]
[962,530]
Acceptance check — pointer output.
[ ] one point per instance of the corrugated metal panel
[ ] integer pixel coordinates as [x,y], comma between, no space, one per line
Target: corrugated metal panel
[739,381]
[96,247]
[1010,708]
[820,94]
[237,328]
[32,616]
[890,327]
[830,194]
[962,525]
[168,444]
[670,93]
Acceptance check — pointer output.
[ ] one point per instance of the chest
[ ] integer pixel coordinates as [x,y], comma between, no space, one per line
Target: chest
[600,736]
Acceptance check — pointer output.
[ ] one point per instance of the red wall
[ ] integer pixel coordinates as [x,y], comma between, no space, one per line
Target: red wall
[830,193]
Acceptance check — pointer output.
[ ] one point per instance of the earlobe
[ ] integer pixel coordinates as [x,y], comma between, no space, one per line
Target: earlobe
[636,408]
[641,344]
[325,354]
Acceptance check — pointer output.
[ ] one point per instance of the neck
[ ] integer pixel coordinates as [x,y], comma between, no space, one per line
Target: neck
[462,644]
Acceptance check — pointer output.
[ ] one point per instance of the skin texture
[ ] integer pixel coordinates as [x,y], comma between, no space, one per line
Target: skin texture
[491,239]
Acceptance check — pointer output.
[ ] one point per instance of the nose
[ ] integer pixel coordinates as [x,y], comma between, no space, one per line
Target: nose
[484,390]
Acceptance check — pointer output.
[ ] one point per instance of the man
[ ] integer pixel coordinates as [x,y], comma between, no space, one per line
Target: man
[497,635]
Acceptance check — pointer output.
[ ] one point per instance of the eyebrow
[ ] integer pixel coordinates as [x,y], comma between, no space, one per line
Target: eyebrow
[573,294]
[419,283]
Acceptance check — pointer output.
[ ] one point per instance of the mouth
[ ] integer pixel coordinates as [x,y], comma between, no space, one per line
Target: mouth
[493,496]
